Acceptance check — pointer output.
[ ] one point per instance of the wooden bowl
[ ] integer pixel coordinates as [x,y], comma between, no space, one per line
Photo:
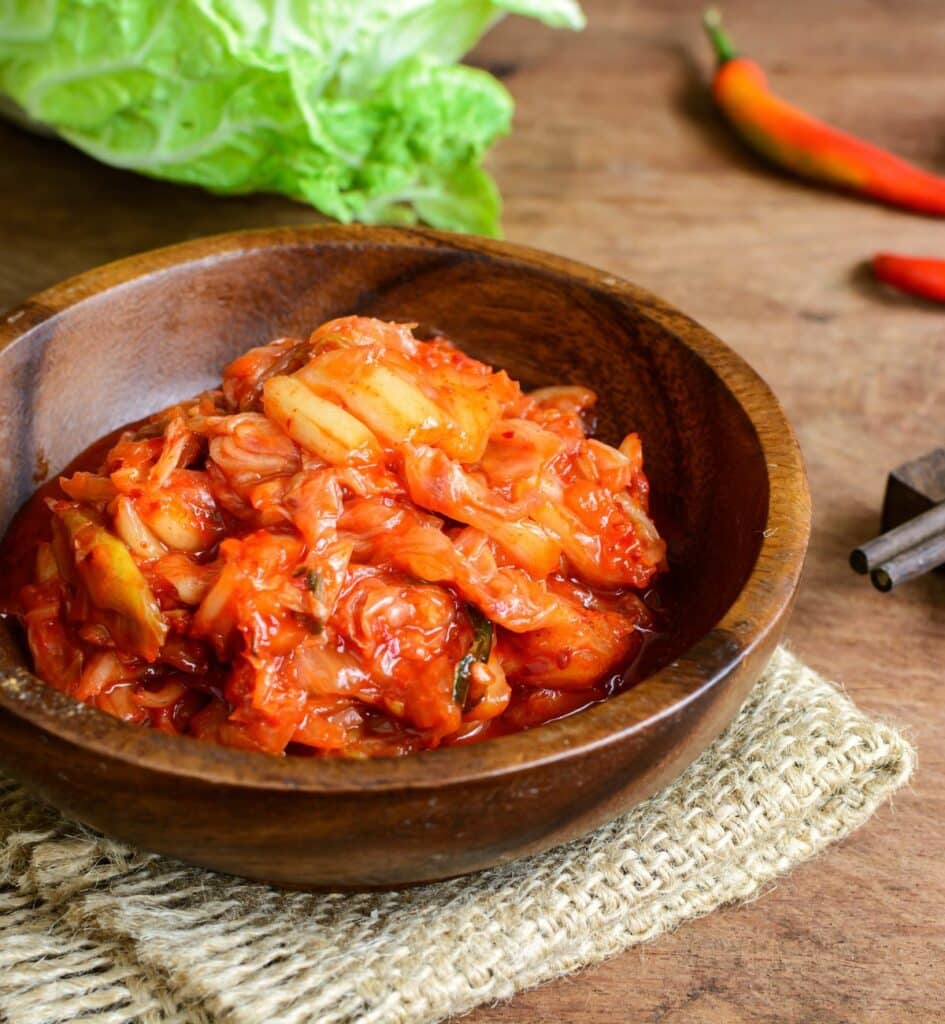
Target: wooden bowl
[729,491]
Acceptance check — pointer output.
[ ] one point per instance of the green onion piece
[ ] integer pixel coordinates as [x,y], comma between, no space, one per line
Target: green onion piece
[479,650]
[314,581]
[482,634]
[462,679]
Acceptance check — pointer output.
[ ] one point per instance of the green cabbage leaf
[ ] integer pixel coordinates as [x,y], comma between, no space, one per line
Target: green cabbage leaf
[358,107]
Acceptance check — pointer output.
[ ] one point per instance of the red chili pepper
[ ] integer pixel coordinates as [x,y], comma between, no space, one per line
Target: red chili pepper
[808,147]
[914,274]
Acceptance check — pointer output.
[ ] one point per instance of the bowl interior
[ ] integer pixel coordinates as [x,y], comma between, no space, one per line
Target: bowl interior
[155,337]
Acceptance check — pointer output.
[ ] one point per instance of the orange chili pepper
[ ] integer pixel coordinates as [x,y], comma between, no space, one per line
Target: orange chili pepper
[800,143]
[913,274]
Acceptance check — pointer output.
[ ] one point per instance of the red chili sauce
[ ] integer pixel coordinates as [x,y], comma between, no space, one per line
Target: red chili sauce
[362,544]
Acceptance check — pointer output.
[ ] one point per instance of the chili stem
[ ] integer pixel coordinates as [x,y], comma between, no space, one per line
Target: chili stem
[721,41]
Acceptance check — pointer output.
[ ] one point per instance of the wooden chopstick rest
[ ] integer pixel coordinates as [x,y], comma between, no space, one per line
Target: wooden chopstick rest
[914,523]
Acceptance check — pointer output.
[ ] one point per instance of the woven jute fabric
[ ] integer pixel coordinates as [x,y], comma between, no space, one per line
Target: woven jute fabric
[91,930]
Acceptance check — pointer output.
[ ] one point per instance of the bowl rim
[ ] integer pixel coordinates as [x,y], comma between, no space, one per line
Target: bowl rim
[660,695]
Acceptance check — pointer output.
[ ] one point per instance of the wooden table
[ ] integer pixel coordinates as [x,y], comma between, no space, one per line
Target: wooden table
[618,159]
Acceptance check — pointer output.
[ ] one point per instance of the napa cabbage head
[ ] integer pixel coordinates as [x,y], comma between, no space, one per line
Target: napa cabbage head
[358,107]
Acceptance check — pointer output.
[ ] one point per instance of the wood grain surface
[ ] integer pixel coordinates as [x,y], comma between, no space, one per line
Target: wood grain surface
[618,159]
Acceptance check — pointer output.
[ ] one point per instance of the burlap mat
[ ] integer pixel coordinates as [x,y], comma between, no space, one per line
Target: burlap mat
[91,930]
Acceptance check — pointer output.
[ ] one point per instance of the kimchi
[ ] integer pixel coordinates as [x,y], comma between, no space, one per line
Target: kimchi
[361,544]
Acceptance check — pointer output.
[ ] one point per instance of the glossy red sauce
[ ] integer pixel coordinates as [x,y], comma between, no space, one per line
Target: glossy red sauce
[363,544]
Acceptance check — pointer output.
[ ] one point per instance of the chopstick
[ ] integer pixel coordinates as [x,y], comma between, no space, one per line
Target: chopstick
[902,554]
[913,562]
